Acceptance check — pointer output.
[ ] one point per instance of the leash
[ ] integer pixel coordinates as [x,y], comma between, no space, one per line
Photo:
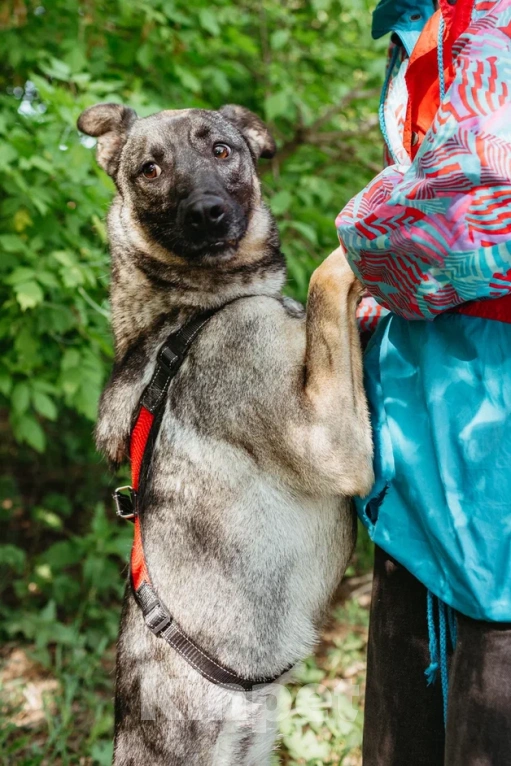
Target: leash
[157,616]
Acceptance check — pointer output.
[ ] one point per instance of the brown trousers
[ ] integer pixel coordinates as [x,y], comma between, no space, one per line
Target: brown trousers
[403,716]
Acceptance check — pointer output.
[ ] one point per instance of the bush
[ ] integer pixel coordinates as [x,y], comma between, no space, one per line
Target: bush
[309,68]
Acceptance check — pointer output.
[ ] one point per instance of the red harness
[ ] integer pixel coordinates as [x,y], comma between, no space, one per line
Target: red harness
[157,616]
[139,439]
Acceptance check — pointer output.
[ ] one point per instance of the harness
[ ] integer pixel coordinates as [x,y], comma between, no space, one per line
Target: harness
[157,616]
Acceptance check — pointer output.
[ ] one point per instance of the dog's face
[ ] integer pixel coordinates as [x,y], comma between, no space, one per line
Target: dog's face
[188,175]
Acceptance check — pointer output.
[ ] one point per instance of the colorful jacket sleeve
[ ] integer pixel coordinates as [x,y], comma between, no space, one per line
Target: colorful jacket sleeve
[429,234]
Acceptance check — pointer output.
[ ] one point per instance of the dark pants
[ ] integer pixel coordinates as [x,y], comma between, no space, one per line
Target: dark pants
[403,716]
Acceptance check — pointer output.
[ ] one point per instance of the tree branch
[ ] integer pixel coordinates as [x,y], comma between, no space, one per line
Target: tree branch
[313,135]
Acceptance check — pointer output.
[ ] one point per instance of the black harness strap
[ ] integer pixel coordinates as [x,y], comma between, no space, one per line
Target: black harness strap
[157,616]
[170,358]
[160,622]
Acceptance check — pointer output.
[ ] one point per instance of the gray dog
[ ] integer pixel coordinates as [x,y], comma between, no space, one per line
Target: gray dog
[264,437]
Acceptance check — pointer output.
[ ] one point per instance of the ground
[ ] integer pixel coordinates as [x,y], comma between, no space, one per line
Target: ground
[58,711]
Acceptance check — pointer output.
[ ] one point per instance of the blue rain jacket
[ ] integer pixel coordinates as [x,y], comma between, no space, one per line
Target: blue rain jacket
[440,399]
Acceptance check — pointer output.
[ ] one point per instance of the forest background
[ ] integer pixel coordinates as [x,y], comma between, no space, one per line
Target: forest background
[312,71]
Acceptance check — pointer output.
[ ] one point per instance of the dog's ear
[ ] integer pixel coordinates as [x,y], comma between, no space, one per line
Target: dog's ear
[109,123]
[252,128]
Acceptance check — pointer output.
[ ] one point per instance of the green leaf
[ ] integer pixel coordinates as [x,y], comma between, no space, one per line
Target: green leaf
[188,79]
[281,202]
[47,279]
[47,518]
[71,380]
[309,674]
[13,557]
[27,347]
[20,398]
[306,747]
[308,706]
[6,383]
[59,70]
[307,231]
[44,405]
[100,228]
[208,21]
[11,243]
[28,294]
[61,555]
[71,359]
[28,430]
[22,274]
[8,154]
[42,164]
[86,400]
[145,55]
[22,220]
[64,257]
[49,612]
[279,38]
[102,753]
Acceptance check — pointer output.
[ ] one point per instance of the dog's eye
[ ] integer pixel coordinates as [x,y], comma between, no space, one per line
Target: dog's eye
[221,151]
[151,170]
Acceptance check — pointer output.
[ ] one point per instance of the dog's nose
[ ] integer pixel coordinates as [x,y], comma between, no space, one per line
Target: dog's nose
[206,212]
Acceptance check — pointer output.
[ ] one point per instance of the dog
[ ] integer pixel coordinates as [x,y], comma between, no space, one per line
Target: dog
[264,439]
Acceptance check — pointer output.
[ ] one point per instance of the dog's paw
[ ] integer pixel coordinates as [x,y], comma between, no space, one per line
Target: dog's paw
[335,272]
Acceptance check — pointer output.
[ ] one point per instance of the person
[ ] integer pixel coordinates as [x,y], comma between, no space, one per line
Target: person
[430,238]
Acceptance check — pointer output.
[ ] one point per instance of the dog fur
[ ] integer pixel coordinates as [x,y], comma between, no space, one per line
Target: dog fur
[248,524]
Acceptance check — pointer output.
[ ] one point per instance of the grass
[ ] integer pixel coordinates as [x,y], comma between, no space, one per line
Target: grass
[57,707]
[58,716]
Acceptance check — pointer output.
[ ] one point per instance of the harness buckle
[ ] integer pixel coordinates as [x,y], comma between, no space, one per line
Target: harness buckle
[167,358]
[125,499]
[158,619]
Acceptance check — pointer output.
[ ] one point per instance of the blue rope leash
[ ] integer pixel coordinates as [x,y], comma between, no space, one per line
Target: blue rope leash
[444,671]
[453,627]
[438,649]
[385,90]
[446,617]
[440,55]
[431,671]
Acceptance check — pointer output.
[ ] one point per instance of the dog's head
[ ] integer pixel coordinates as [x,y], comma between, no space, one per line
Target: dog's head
[188,176]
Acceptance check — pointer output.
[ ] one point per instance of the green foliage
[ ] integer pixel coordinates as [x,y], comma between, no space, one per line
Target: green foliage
[65,610]
[307,67]
[321,716]
[311,70]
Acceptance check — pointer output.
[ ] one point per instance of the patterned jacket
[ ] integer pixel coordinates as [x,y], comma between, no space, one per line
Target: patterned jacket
[433,229]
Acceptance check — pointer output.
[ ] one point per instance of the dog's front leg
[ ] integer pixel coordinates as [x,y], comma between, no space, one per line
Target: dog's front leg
[334,378]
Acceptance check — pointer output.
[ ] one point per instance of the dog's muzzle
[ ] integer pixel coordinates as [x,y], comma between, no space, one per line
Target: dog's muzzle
[206,216]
